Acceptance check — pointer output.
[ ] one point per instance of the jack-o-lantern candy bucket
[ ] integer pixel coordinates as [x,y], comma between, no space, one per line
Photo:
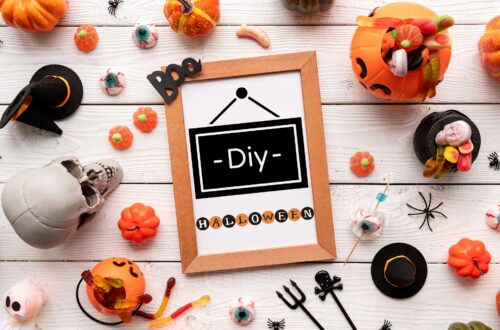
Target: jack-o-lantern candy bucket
[401,51]
[131,288]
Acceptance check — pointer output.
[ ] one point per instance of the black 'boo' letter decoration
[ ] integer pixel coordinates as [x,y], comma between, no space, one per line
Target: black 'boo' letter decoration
[166,85]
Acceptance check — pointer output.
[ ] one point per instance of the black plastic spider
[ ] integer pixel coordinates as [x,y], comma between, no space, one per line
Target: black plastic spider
[276,325]
[494,162]
[387,325]
[427,211]
[113,5]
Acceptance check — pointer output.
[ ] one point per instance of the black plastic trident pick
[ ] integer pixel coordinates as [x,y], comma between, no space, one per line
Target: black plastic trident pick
[298,302]
[328,285]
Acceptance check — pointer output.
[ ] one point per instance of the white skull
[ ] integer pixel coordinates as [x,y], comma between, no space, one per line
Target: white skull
[46,205]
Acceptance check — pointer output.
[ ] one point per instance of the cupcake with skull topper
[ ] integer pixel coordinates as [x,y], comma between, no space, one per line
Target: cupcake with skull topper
[446,142]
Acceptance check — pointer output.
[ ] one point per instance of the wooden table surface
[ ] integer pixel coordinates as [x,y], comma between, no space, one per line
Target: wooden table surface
[353,120]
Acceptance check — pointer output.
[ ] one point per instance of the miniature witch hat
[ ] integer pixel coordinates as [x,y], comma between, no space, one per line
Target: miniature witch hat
[399,270]
[54,92]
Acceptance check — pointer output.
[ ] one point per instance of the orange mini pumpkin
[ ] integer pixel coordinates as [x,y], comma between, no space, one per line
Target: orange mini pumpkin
[86,38]
[469,258]
[368,63]
[120,137]
[138,223]
[489,48]
[134,284]
[33,15]
[145,119]
[193,18]
[498,302]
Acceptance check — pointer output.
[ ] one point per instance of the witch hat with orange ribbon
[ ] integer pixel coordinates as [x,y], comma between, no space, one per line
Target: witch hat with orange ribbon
[54,92]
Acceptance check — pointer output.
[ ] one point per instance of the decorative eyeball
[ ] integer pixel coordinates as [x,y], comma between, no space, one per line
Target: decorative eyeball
[367,225]
[493,217]
[112,82]
[242,312]
[145,35]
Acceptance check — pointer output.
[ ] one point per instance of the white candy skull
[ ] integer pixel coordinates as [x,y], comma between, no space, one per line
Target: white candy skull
[24,300]
[46,205]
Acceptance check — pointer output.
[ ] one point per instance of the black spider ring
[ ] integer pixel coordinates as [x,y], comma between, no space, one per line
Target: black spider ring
[427,211]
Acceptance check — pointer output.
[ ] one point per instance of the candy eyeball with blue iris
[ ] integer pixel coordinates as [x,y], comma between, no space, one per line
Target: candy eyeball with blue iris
[112,81]
[242,311]
[367,225]
[145,35]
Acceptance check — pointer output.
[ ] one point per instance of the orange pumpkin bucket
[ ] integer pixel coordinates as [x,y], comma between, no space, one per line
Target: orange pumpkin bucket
[389,37]
[132,287]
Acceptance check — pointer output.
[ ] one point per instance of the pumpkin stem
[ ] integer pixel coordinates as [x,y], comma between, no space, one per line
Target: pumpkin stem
[117,137]
[142,118]
[82,34]
[476,264]
[187,6]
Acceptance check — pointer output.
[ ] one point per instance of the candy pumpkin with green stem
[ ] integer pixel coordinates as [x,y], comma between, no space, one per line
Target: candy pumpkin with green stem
[86,38]
[120,137]
[145,119]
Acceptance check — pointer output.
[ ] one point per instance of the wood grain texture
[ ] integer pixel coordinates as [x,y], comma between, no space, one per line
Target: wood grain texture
[465,81]
[464,206]
[384,130]
[269,12]
[435,307]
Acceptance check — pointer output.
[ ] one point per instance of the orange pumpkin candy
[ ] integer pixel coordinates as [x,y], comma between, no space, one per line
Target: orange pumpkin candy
[145,119]
[120,137]
[86,38]
[489,48]
[134,284]
[192,18]
[33,15]
[369,66]
[469,258]
[138,223]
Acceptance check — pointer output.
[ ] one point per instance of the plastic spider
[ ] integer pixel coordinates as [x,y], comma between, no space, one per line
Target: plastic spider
[387,325]
[276,325]
[113,5]
[494,162]
[429,213]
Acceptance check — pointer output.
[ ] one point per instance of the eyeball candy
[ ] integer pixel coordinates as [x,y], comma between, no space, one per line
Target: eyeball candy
[145,35]
[454,134]
[112,83]
[367,225]
[493,217]
[399,63]
[242,312]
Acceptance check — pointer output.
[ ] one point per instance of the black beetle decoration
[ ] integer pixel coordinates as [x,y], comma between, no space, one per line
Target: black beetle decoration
[166,85]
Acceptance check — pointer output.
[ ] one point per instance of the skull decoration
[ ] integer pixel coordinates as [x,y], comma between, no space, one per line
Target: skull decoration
[24,300]
[47,205]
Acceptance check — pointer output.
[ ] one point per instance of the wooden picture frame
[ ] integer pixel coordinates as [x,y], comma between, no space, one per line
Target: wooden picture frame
[192,262]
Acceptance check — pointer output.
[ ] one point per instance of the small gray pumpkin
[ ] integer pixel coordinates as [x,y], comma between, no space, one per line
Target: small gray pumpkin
[308,6]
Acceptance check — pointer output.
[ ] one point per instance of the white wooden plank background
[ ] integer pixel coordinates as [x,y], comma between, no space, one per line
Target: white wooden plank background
[353,120]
